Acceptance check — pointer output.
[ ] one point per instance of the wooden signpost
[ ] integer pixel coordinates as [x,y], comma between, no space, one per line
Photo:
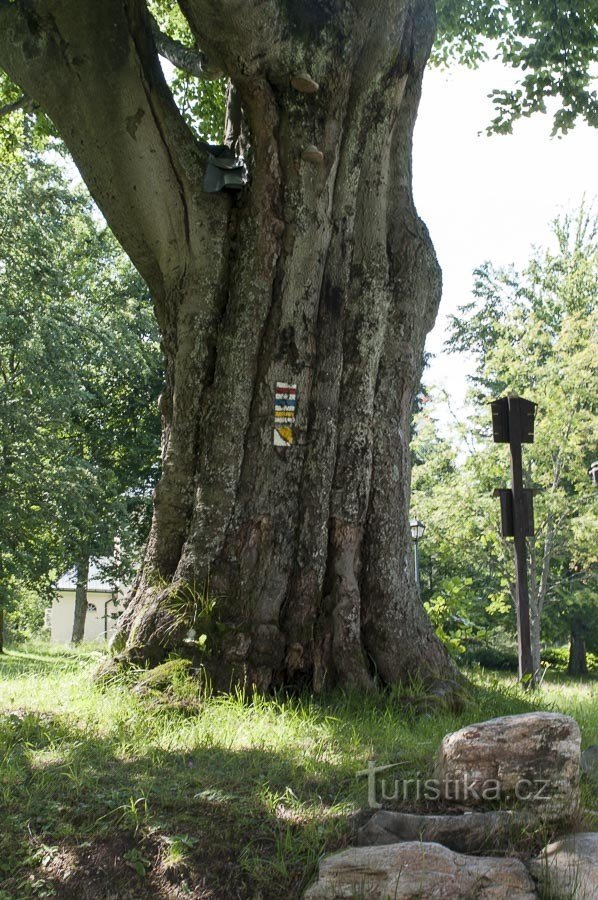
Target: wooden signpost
[513,424]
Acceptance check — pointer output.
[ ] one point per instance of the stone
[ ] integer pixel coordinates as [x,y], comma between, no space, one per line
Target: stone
[304,83]
[419,870]
[313,155]
[569,866]
[532,758]
[471,832]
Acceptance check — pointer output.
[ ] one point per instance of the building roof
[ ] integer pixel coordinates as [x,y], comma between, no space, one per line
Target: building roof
[95,582]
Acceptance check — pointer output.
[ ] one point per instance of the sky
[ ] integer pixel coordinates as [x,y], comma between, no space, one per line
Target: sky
[488,198]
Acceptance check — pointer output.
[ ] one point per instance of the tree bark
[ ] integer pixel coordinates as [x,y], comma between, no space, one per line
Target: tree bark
[577,649]
[534,609]
[540,581]
[293,562]
[82,570]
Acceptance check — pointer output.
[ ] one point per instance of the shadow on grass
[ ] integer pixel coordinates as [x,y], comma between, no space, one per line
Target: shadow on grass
[88,813]
[82,817]
[17,661]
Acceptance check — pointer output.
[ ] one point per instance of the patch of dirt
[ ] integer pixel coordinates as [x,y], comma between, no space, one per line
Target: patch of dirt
[107,870]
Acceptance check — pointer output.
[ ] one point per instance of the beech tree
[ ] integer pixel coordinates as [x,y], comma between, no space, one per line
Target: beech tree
[291,562]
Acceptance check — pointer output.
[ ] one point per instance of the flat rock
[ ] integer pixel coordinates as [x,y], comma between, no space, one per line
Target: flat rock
[569,866]
[419,870]
[471,832]
[532,758]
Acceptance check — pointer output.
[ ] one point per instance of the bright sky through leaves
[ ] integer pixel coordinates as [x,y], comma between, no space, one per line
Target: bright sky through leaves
[488,198]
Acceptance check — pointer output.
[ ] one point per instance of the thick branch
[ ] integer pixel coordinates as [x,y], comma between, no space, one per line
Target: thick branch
[23,103]
[194,62]
[93,68]
[241,38]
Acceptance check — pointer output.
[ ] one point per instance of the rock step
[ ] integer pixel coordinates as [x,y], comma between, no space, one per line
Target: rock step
[532,758]
[405,856]
[569,866]
[420,871]
[471,832]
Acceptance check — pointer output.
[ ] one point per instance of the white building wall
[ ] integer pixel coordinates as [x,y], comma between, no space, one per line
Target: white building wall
[62,612]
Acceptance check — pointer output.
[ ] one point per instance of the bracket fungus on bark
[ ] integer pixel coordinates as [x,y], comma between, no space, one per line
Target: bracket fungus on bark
[313,155]
[304,83]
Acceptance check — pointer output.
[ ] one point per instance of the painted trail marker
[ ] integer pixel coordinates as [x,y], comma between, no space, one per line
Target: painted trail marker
[285,405]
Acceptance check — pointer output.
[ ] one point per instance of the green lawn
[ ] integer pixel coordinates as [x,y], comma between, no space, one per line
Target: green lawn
[107,794]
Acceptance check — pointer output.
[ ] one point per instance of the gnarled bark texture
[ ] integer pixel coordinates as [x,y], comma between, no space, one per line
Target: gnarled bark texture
[295,562]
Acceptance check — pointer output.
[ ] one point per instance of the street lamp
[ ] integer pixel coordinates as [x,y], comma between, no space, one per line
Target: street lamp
[417,533]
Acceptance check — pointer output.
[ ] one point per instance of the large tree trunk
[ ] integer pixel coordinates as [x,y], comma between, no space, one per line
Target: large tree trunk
[295,562]
[82,570]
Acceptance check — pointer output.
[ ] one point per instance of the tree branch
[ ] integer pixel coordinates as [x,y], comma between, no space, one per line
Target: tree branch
[139,159]
[23,103]
[238,37]
[194,62]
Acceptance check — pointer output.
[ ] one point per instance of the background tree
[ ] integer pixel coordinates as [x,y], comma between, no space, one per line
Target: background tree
[319,274]
[465,566]
[554,44]
[533,333]
[80,371]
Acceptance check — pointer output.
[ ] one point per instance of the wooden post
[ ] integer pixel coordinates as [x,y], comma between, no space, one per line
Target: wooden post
[513,423]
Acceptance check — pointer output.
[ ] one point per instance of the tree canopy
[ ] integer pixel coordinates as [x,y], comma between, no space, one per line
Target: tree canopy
[80,370]
[532,333]
[551,46]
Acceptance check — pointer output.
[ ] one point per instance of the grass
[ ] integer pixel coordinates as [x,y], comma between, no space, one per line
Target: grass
[105,793]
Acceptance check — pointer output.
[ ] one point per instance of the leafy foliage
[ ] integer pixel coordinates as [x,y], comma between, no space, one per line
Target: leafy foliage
[532,333]
[202,103]
[80,370]
[553,45]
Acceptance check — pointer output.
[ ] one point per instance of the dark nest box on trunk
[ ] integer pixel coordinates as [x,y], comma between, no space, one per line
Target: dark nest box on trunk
[225,171]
